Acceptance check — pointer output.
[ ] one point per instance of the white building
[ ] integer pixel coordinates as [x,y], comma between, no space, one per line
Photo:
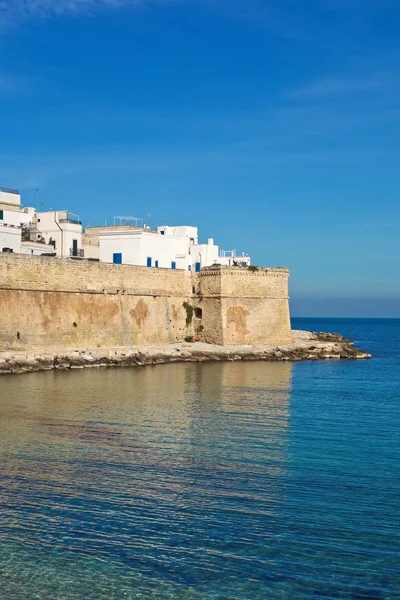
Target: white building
[169,247]
[62,230]
[10,222]
[229,258]
[37,248]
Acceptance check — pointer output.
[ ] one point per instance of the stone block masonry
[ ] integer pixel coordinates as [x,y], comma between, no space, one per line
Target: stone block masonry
[49,302]
[246,307]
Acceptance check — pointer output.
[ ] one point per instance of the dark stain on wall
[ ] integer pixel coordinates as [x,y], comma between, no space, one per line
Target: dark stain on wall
[140,313]
[237,324]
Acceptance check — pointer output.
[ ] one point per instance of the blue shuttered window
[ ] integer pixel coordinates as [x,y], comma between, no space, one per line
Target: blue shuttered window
[117,258]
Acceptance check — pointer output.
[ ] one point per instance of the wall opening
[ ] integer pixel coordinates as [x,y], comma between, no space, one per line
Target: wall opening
[198,313]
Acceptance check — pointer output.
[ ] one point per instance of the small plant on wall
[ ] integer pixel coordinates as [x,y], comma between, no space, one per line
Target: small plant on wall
[189,313]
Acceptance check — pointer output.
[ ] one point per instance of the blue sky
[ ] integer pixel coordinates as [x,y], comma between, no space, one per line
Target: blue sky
[272,125]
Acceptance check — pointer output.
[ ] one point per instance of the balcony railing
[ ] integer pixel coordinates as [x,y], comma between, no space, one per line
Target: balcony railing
[77,252]
[8,190]
[70,220]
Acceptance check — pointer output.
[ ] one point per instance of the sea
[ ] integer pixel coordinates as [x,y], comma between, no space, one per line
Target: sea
[220,481]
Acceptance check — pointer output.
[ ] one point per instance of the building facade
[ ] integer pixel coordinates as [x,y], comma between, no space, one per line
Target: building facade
[62,230]
[168,247]
[10,222]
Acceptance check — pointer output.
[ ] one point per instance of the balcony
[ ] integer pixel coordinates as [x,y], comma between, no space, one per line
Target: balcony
[77,252]
[67,217]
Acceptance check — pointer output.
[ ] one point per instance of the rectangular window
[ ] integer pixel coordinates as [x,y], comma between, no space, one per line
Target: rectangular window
[173,265]
[198,267]
[149,261]
[117,258]
[1,215]
[156,264]
[189,267]
[162,232]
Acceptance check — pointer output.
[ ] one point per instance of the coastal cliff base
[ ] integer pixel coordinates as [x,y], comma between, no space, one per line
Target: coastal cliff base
[305,346]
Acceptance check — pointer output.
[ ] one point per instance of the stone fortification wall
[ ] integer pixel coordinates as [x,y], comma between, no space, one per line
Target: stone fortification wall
[253,306]
[51,302]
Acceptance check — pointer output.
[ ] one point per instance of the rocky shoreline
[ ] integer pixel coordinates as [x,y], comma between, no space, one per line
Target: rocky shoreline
[306,346]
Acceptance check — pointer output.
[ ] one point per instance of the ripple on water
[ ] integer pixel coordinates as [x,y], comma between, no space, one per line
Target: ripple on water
[224,481]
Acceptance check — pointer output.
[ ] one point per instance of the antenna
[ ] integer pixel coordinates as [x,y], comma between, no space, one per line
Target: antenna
[42,204]
[37,199]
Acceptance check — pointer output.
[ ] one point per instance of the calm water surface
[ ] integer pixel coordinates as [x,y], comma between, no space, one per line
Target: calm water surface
[220,481]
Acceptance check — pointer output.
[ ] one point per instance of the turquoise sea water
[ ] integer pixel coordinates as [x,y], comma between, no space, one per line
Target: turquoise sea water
[216,481]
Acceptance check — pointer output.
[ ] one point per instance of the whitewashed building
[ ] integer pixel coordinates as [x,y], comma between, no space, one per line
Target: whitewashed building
[169,248]
[37,248]
[10,222]
[62,230]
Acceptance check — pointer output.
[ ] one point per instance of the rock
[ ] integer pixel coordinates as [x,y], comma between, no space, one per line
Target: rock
[306,346]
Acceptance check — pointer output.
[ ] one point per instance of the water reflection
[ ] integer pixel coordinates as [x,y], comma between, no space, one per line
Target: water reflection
[211,481]
[166,471]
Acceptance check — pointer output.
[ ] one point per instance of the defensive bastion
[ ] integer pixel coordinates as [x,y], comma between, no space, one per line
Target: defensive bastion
[47,302]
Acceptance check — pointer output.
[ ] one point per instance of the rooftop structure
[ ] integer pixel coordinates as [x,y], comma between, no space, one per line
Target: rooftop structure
[171,247]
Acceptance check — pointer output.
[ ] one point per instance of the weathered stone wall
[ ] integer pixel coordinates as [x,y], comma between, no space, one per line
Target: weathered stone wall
[52,302]
[65,303]
[254,305]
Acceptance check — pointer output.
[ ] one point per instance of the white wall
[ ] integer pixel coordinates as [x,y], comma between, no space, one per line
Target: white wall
[52,225]
[27,215]
[137,246]
[11,200]
[182,231]
[35,249]
[205,254]
[10,230]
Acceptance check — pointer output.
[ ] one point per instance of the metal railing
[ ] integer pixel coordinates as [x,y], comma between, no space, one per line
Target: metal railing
[8,190]
[77,252]
[70,220]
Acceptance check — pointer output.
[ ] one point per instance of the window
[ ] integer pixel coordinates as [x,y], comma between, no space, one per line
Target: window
[173,265]
[198,267]
[198,313]
[1,215]
[156,264]
[117,258]
[149,261]
[189,267]
[162,232]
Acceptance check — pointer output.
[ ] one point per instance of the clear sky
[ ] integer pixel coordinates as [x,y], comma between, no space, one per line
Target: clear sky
[273,125]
